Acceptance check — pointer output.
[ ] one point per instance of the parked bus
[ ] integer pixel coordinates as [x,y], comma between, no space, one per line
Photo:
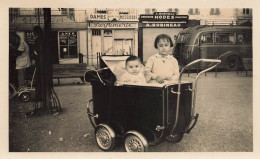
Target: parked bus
[231,44]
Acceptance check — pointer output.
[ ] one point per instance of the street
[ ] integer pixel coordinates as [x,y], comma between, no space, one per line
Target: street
[224,104]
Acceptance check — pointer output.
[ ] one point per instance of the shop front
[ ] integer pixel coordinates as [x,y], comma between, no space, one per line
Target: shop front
[112,37]
[152,25]
[68,37]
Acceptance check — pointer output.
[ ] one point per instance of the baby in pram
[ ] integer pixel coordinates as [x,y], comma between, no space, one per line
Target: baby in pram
[134,73]
[160,68]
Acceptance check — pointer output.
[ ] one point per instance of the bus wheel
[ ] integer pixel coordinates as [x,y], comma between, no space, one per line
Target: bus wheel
[232,63]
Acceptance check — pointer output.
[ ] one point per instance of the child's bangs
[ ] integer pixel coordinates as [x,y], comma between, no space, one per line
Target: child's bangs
[164,39]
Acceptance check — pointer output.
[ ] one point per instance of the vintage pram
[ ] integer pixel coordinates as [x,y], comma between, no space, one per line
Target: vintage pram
[141,115]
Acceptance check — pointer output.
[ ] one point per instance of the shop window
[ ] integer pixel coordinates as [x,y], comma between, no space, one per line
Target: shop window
[169,10]
[193,11]
[206,38]
[108,33]
[225,38]
[154,10]
[13,13]
[243,38]
[176,10]
[246,11]
[214,11]
[148,11]
[96,32]
[197,11]
[64,11]
[108,42]
[38,11]
[68,44]
[123,46]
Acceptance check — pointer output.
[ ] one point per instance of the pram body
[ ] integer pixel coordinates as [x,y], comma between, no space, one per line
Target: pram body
[140,114]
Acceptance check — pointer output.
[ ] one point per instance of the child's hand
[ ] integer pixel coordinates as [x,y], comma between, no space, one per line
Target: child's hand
[159,79]
[148,77]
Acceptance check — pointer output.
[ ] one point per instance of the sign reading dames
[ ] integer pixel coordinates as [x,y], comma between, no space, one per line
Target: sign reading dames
[163,20]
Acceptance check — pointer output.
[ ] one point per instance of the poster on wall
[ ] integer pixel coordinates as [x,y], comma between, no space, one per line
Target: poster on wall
[63,38]
[29,37]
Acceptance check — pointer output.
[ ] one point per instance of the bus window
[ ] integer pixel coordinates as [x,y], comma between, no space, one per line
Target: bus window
[206,38]
[227,38]
[243,38]
[182,37]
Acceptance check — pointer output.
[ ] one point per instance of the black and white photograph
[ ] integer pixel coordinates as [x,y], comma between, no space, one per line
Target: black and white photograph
[110,79]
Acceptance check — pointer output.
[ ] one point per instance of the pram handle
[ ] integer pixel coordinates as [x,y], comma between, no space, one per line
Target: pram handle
[200,60]
[193,90]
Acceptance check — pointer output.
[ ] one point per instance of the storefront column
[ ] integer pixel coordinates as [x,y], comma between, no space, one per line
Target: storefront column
[89,49]
[113,40]
[102,41]
[135,43]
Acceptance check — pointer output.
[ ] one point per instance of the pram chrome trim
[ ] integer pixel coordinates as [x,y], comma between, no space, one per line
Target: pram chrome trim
[91,115]
[194,89]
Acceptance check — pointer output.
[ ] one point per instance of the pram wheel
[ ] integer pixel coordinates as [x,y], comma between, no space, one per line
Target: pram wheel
[105,137]
[175,138]
[135,142]
[25,96]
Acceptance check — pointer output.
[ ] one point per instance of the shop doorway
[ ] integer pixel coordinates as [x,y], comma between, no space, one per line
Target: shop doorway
[68,44]
[108,42]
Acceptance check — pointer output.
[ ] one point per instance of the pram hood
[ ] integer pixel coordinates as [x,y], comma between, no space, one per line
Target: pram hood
[112,67]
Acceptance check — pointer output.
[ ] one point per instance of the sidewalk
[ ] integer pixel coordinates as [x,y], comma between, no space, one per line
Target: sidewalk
[71,130]
[68,131]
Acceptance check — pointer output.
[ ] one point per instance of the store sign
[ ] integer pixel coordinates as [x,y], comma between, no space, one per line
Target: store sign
[163,16]
[164,25]
[98,17]
[54,19]
[109,17]
[29,37]
[128,17]
[112,25]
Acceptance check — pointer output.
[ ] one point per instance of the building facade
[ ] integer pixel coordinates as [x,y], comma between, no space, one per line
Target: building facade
[111,31]
[68,28]
[209,16]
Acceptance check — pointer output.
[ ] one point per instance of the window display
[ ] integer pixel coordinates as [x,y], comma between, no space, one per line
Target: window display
[68,44]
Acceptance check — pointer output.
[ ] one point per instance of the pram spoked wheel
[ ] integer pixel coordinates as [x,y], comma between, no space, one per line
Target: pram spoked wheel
[24,96]
[105,137]
[175,138]
[135,142]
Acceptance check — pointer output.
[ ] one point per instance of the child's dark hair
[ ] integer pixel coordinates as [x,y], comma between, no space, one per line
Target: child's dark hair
[132,58]
[163,36]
